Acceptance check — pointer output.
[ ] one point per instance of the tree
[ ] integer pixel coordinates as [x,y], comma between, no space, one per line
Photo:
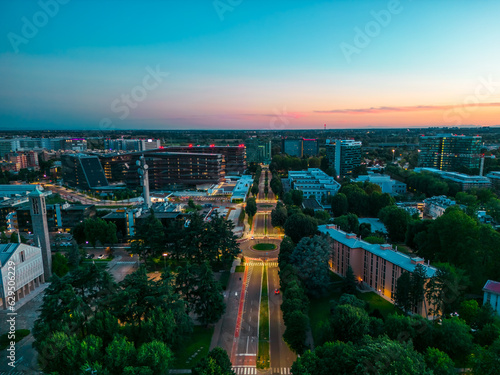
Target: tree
[402,297]
[349,323]
[298,226]
[331,358]
[485,360]
[349,283]
[396,221]
[255,189]
[217,362]
[454,338]
[295,334]
[468,311]
[251,207]
[59,265]
[339,204]
[348,223]
[439,362]
[310,257]
[156,356]
[202,292]
[297,197]
[120,353]
[384,356]
[286,249]
[279,215]
[74,256]
[149,239]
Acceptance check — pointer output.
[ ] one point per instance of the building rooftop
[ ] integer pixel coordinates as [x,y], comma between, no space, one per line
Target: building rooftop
[384,251]
[492,286]
[6,251]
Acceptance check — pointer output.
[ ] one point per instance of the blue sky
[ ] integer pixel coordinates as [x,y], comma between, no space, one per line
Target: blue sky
[261,65]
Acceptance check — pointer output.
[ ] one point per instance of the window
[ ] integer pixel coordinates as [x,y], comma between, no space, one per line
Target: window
[21,256]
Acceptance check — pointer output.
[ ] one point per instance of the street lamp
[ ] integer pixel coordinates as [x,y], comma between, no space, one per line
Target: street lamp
[164,261]
[393,156]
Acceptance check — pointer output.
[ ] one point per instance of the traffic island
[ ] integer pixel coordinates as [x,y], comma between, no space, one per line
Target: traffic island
[263,352]
[264,246]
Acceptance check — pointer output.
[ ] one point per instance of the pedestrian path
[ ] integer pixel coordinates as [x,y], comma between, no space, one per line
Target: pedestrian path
[260,264]
[253,371]
[282,370]
[245,370]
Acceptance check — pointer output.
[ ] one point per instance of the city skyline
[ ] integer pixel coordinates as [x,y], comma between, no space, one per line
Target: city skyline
[248,65]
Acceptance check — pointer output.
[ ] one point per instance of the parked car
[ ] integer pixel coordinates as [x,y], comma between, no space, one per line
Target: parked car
[100,256]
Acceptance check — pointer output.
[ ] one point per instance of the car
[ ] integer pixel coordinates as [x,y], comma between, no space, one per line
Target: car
[276,291]
[88,256]
[252,237]
[100,256]
[92,256]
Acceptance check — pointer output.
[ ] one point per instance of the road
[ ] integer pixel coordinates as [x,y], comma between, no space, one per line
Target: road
[282,357]
[245,356]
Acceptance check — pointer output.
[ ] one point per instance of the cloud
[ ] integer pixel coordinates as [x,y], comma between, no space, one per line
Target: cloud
[417,108]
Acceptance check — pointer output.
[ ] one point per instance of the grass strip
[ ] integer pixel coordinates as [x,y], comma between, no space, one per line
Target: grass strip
[263,358]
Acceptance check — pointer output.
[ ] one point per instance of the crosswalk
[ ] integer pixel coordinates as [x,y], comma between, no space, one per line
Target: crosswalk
[260,264]
[253,370]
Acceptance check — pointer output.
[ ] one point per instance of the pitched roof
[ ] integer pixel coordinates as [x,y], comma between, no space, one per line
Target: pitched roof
[492,286]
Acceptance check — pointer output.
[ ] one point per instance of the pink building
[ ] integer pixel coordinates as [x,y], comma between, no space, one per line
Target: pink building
[377,267]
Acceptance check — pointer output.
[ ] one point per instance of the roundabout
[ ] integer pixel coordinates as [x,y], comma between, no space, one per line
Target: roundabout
[263,248]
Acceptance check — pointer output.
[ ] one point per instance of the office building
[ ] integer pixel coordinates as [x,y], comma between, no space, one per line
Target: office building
[258,151]
[344,155]
[313,183]
[41,229]
[234,157]
[376,267]
[29,271]
[292,147]
[83,171]
[310,147]
[7,146]
[166,170]
[388,185]
[59,216]
[449,152]
[465,181]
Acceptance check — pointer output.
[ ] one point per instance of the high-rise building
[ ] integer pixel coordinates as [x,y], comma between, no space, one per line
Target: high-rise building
[167,170]
[7,146]
[449,152]
[258,151]
[235,158]
[344,155]
[83,171]
[310,147]
[41,229]
[149,144]
[292,147]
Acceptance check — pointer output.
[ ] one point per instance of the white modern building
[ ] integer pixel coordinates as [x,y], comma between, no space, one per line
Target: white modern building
[344,155]
[388,185]
[492,295]
[21,271]
[313,182]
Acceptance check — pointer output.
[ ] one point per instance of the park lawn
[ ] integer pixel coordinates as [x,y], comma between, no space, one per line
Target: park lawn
[376,302]
[239,269]
[20,334]
[198,342]
[319,311]
[264,246]
[334,277]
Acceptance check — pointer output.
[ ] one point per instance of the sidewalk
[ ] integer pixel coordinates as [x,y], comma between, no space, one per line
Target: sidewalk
[28,298]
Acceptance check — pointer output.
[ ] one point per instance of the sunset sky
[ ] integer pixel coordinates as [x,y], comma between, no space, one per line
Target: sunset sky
[250,64]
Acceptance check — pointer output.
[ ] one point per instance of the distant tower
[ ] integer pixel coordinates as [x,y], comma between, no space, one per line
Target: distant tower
[41,229]
[143,171]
